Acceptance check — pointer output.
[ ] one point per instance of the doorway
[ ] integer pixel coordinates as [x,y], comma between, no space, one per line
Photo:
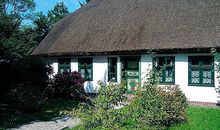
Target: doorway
[131,72]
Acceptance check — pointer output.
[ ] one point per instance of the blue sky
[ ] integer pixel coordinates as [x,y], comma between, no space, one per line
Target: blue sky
[46,5]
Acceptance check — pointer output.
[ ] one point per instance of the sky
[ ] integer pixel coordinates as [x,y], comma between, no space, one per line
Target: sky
[46,5]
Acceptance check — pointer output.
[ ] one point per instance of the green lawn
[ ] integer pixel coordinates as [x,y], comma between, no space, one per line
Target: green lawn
[50,111]
[201,118]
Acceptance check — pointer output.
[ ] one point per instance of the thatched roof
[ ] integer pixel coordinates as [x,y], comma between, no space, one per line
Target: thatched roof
[133,25]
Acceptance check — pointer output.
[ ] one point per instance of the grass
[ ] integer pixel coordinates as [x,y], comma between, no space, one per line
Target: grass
[201,118]
[50,111]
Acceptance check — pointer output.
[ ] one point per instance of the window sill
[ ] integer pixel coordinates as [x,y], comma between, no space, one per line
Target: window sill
[201,85]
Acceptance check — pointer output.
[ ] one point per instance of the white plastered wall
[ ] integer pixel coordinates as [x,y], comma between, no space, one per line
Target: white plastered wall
[146,66]
[193,93]
[100,73]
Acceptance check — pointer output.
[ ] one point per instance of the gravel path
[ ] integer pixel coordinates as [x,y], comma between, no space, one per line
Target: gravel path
[58,123]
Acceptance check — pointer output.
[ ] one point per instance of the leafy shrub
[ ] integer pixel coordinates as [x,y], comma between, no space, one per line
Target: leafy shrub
[102,113]
[153,107]
[158,106]
[24,84]
[26,99]
[67,85]
[30,70]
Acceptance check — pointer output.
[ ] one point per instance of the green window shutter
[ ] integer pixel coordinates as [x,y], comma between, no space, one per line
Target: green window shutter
[86,68]
[189,70]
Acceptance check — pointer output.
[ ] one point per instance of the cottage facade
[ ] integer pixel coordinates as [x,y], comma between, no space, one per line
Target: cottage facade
[115,40]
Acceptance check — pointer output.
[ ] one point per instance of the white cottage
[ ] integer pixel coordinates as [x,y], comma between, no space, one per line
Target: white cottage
[109,40]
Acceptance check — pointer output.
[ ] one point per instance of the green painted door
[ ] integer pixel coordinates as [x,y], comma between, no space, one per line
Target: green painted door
[132,80]
[130,73]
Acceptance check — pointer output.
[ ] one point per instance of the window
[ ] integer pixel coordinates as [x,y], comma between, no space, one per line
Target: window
[86,69]
[112,69]
[64,65]
[166,68]
[201,70]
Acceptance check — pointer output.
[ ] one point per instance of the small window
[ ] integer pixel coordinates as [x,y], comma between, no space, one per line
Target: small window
[64,65]
[201,70]
[86,68]
[166,68]
[112,69]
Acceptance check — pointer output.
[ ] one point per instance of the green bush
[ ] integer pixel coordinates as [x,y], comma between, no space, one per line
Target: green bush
[152,107]
[23,84]
[102,113]
[26,99]
[156,106]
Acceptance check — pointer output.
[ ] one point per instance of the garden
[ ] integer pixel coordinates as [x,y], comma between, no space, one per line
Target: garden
[27,93]
[150,107]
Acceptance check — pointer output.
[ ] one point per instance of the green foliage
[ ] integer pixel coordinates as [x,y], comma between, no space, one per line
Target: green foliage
[152,107]
[59,11]
[217,69]
[25,98]
[23,78]
[44,23]
[102,113]
[156,106]
[16,7]
[23,83]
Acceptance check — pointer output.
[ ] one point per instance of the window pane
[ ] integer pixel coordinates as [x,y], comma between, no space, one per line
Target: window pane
[165,66]
[64,65]
[195,76]
[169,61]
[207,77]
[195,61]
[82,71]
[201,70]
[112,74]
[85,68]
[161,61]
[169,74]
[89,73]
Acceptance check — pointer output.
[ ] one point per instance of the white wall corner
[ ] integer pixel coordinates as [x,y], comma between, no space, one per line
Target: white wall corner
[74,64]
[146,67]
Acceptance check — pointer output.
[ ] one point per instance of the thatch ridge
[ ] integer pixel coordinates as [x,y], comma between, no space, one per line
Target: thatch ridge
[132,25]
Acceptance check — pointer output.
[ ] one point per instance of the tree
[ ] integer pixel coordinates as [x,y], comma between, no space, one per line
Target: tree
[57,13]
[17,6]
[44,23]
[12,12]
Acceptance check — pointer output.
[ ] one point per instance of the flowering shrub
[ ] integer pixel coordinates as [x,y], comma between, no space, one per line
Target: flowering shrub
[67,85]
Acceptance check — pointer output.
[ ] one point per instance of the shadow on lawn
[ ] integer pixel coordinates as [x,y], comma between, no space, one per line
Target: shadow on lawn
[11,118]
